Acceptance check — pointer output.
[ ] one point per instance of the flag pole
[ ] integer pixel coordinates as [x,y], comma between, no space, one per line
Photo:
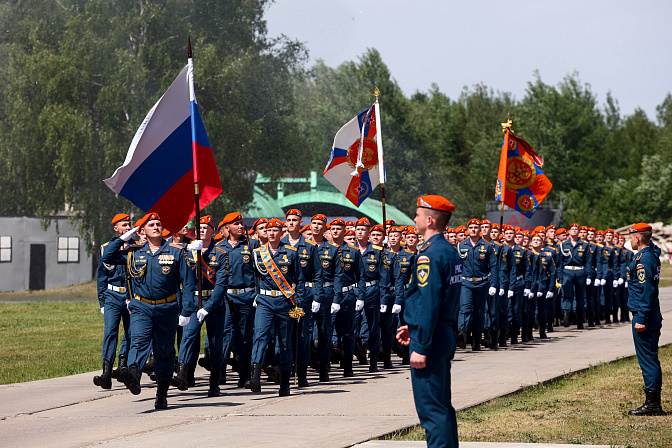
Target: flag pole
[381,166]
[197,201]
[501,196]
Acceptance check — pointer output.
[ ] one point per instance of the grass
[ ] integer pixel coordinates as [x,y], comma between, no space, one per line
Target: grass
[77,293]
[584,408]
[665,275]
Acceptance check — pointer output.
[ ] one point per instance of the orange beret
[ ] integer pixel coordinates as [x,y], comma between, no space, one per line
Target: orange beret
[460,229]
[207,219]
[319,217]
[495,226]
[573,225]
[337,222]
[349,233]
[526,232]
[640,227]
[551,227]
[394,229]
[591,229]
[120,217]
[145,219]
[328,226]
[609,231]
[218,237]
[599,232]
[411,230]
[450,230]
[231,217]
[436,202]
[294,211]
[539,229]
[258,222]
[378,228]
[583,228]
[474,221]
[274,223]
[560,231]
[486,221]
[363,222]
[390,222]
[165,233]
[304,228]
[350,223]
[519,232]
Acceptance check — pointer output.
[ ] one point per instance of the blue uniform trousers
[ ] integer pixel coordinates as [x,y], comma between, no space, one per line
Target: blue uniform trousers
[154,326]
[239,327]
[472,306]
[343,322]
[591,305]
[388,329]
[304,328]
[542,310]
[431,392]
[190,346]
[371,312]
[608,293]
[322,320]
[516,311]
[115,312]
[646,347]
[529,310]
[273,312]
[492,312]
[503,303]
[573,286]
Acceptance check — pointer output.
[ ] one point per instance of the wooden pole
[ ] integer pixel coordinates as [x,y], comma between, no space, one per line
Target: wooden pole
[197,202]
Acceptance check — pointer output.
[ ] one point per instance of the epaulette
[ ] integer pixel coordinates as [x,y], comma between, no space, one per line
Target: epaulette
[292,248]
[104,244]
[425,246]
[177,245]
[135,246]
[220,250]
[377,247]
[599,245]
[311,242]
[497,242]
[352,246]
[256,249]
[535,252]
[333,244]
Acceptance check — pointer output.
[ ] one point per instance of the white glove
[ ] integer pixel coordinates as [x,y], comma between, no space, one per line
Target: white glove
[335,308]
[501,292]
[315,307]
[492,291]
[195,245]
[183,320]
[102,310]
[359,305]
[526,292]
[128,235]
[539,293]
[626,285]
[254,304]
[598,282]
[549,295]
[614,283]
[604,282]
[509,294]
[396,309]
[128,302]
[620,281]
[383,308]
[588,281]
[201,314]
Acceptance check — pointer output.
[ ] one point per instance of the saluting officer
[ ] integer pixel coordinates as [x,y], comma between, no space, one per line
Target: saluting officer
[112,296]
[643,277]
[576,264]
[214,283]
[157,268]
[242,289]
[279,268]
[431,315]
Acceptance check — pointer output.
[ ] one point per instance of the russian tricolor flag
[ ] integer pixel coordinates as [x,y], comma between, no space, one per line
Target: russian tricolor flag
[169,153]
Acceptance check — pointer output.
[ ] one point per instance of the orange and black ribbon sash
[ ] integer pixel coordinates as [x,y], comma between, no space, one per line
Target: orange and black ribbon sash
[275,273]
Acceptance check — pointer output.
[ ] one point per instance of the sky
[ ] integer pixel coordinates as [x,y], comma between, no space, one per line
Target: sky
[616,46]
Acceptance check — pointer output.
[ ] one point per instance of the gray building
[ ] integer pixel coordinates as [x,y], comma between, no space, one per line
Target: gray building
[34,258]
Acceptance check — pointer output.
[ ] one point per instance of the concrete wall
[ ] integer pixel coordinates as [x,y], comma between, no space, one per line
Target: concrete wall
[15,275]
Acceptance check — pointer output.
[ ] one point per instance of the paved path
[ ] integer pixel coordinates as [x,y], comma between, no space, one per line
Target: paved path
[71,411]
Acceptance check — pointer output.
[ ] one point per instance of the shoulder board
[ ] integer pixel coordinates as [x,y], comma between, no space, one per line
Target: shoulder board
[535,252]
[352,246]
[287,246]
[497,242]
[331,243]
[104,244]
[425,246]
[599,245]
[638,257]
[311,242]
[135,246]
[220,250]
[177,245]
[256,249]
[377,247]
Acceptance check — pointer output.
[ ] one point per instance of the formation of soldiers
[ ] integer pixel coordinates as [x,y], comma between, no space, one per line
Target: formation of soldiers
[282,296]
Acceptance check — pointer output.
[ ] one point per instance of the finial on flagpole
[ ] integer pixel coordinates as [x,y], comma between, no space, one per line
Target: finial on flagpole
[189,54]
[376,93]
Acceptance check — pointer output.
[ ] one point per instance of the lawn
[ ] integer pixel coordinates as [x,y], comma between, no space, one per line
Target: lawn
[584,408]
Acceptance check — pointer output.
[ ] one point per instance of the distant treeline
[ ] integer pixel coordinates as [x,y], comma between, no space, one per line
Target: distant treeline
[79,76]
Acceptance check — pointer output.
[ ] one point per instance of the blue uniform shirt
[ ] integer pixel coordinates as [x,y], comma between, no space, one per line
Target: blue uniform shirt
[112,274]
[241,269]
[402,274]
[328,256]
[309,262]
[217,260]
[287,260]
[158,275]
[575,255]
[519,268]
[479,260]
[433,296]
[374,269]
[643,276]
[348,273]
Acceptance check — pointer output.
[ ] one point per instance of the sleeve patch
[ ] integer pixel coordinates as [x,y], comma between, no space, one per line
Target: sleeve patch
[423,274]
[423,259]
[641,275]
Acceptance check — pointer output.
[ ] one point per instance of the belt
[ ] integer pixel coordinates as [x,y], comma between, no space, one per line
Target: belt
[575,268]
[271,292]
[168,299]
[475,279]
[310,285]
[239,291]
[204,293]
[119,289]
[349,288]
[520,277]
[328,284]
[371,283]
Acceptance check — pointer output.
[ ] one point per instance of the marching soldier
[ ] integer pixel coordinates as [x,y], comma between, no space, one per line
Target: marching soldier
[112,296]
[492,314]
[518,291]
[576,264]
[279,267]
[157,268]
[592,290]
[390,309]
[625,262]
[611,265]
